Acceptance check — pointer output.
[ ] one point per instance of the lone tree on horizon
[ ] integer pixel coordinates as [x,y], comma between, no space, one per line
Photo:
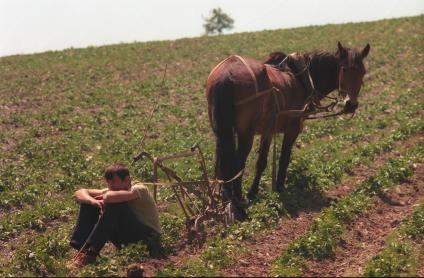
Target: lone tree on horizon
[217,22]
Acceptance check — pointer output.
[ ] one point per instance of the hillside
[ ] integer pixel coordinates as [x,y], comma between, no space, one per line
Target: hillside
[66,115]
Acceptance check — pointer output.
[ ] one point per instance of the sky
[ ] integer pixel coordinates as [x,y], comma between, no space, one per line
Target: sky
[30,26]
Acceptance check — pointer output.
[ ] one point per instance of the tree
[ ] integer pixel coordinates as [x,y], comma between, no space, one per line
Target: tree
[217,22]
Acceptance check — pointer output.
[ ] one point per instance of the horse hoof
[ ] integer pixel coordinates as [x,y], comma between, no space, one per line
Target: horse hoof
[240,214]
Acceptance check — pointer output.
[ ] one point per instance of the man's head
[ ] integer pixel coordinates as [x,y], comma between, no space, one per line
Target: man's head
[117,177]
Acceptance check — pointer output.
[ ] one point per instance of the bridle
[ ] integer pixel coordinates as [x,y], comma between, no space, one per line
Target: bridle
[315,95]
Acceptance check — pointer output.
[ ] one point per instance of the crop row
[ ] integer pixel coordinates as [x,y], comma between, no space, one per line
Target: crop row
[322,239]
[402,254]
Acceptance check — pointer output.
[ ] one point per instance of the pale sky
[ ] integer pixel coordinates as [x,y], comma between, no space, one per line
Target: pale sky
[28,26]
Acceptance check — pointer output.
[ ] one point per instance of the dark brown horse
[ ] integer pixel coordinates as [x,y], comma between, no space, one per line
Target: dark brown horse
[246,97]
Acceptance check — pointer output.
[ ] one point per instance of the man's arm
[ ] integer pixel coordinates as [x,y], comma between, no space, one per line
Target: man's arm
[90,196]
[119,196]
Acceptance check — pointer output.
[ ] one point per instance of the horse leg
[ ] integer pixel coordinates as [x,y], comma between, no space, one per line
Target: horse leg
[224,167]
[223,113]
[286,149]
[245,142]
[260,165]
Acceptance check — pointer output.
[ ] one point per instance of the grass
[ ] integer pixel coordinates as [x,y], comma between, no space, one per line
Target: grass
[66,115]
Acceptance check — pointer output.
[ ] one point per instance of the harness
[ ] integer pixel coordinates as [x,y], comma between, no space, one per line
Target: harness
[295,113]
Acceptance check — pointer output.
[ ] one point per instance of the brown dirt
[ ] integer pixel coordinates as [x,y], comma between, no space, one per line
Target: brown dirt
[366,235]
[186,251]
[260,253]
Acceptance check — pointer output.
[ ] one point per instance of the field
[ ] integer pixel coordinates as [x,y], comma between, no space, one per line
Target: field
[355,201]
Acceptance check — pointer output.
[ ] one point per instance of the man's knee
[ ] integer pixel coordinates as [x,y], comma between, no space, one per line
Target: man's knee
[116,210]
[117,207]
[89,208]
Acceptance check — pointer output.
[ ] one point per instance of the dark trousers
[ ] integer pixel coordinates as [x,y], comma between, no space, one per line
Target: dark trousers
[118,224]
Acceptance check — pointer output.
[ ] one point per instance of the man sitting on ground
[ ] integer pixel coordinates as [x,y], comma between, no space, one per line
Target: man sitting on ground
[123,213]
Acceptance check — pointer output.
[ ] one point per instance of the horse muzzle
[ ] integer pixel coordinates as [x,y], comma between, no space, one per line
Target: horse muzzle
[350,106]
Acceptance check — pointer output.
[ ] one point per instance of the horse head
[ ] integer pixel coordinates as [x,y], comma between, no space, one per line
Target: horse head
[351,71]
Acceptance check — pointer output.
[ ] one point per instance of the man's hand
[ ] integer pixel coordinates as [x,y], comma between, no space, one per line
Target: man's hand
[99,197]
[119,196]
[93,197]
[98,203]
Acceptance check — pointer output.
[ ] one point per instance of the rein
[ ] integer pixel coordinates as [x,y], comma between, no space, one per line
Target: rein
[315,95]
[312,99]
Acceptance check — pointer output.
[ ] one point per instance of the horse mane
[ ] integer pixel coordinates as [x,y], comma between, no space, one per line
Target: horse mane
[323,69]
[325,59]
[275,58]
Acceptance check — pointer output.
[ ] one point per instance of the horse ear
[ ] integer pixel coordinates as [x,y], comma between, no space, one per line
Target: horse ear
[342,51]
[365,51]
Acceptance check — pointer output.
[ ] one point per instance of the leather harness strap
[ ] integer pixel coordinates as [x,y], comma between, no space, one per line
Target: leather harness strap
[249,69]
[255,82]
[252,97]
[217,66]
[252,74]
[273,90]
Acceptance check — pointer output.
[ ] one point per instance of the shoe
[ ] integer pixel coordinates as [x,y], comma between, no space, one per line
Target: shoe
[83,258]
[155,246]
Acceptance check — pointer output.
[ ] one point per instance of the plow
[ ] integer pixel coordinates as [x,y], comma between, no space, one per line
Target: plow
[200,200]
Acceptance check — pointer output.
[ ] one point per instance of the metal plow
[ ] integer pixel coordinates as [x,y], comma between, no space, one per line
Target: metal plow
[199,200]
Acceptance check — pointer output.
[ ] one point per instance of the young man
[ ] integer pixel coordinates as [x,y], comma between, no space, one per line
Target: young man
[122,213]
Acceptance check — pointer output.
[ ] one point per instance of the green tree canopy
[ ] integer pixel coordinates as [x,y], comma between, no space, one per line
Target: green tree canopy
[217,22]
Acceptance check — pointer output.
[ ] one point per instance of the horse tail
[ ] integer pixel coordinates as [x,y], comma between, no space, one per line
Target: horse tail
[223,115]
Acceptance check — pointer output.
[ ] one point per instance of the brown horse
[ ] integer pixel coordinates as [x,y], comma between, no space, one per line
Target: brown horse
[246,97]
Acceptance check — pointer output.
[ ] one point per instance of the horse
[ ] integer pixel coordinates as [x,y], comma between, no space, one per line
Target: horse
[247,97]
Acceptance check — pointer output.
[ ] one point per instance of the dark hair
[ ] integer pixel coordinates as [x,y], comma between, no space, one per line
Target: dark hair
[117,169]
